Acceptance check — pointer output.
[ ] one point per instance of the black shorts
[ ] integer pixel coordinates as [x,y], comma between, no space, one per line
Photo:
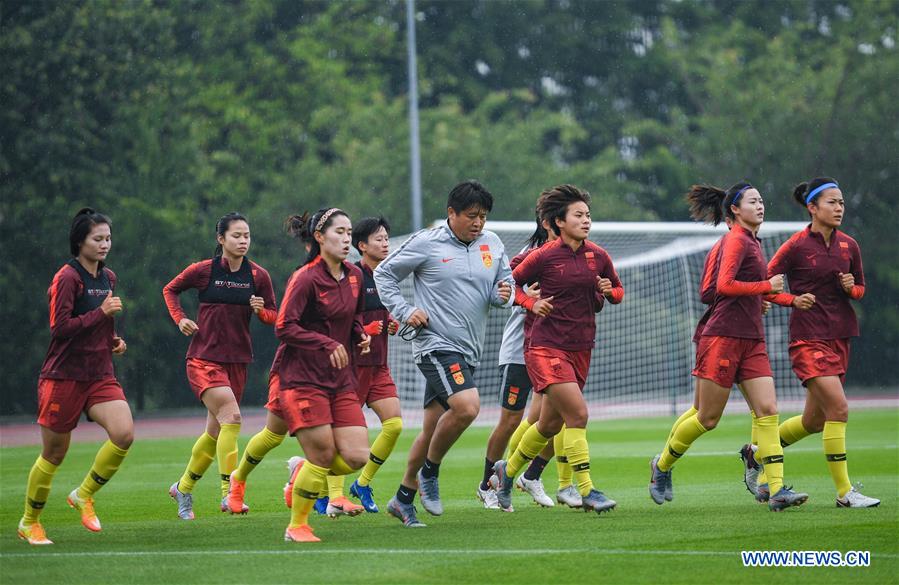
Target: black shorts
[516,387]
[446,374]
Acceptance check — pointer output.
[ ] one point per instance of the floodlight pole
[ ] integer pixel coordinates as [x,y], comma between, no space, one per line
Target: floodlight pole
[414,149]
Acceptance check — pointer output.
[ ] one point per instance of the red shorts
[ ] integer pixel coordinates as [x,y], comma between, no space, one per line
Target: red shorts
[725,360]
[204,374]
[274,392]
[61,402]
[312,407]
[547,365]
[375,383]
[819,357]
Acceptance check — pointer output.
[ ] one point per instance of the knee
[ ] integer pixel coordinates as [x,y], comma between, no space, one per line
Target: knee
[708,421]
[578,420]
[231,417]
[323,456]
[466,412]
[55,454]
[766,409]
[355,458]
[813,426]
[839,411]
[122,438]
[549,429]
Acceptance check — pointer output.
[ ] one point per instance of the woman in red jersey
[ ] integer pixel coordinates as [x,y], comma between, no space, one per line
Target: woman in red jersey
[77,375]
[823,267]
[320,323]
[732,345]
[570,270]
[231,289]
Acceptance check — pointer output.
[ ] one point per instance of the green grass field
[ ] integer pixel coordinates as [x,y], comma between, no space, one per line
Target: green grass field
[695,539]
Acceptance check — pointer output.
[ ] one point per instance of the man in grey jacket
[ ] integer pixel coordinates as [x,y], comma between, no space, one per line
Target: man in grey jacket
[459,271]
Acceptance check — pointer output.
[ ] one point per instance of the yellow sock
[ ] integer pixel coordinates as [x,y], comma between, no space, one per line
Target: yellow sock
[791,430]
[201,457]
[562,466]
[255,451]
[340,467]
[684,416]
[306,487]
[578,453]
[753,434]
[381,448]
[335,486]
[532,442]
[515,439]
[226,453]
[687,432]
[835,451]
[106,463]
[770,453]
[38,489]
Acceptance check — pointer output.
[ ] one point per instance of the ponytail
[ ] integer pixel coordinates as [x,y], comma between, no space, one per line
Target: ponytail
[712,204]
[303,227]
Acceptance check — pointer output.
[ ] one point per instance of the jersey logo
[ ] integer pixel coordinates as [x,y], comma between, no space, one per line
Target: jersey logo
[486,256]
[844,244]
[354,285]
[445,260]
[591,261]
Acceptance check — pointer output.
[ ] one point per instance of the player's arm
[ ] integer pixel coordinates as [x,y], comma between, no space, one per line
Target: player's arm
[608,282]
[732,255]
[394,269]
[197,276]
[62,293]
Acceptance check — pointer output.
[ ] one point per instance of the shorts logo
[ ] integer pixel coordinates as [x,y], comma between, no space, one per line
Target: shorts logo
[458,375]
[486,256]
[513,395]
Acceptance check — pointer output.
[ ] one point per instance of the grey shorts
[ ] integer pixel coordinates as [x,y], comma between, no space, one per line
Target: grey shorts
[446,374]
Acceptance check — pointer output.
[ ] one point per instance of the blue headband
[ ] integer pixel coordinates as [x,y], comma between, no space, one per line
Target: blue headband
[740,194]
[819,189]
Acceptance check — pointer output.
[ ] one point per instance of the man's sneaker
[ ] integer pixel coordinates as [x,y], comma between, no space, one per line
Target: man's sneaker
[534,487]
[596,501]
[33,534]
[570,497]
[294,464]
[429,491]
[786,498]
[301,533]
[225,507]
[855,499]
[321,505]
[365,495]
[342,506]
[659,483]
[406,513]
[86,507]
[185,502]
[503,486]
[236,490]
[751,468]
[762,493]
[488,497]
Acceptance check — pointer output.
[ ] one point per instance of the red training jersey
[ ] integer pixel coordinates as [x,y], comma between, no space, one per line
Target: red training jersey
[707,287]
[374,310]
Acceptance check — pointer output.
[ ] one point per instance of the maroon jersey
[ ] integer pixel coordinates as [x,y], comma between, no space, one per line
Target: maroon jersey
[223,321]
[739,286]
[707,287]
[810,266]
[317,314]
[81,335]
[373,310]
[569,276]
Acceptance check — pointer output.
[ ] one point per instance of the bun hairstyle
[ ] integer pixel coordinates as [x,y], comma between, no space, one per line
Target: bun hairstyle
[303,227]
[553,204]
[809,191]
[710,204]
[82,223]
[222,225]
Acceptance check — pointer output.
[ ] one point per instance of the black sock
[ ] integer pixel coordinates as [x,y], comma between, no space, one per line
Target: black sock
[535,468]
[405,495]
[488,471]
[430,469]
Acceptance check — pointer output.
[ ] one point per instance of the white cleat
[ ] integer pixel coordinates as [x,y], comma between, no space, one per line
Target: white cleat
[488,497]
[534,487]
[570,497]
[856,499]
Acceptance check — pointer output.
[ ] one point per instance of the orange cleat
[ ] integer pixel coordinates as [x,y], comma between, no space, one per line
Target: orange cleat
[294,464]
[236,492]
[34,534]
[301,533]
[86,507]
[342,506]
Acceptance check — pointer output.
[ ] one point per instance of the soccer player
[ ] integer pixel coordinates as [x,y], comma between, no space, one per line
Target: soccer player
[732,345]
[823,267]
[570,270]
[77,375]
[319,323]
[231,289]
[459,271]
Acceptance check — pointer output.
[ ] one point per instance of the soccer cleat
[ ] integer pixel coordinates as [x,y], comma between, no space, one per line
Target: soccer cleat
[321,505]
[342,507]
[570,497]
[660,488]
[225,507]
[762,493]
[503,487]
[406,513]
[301,533]
[596,501]
[294,464]
[855,499]
[86,507]
[185,502]
[488,497]
[365,495]
[429,491]
[786,498]
[751,468]
[33,534]
[236,490]
[534,487]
